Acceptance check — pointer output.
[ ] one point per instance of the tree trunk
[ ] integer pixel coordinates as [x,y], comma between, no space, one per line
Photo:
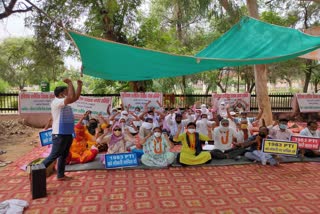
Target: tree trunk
[308,74]
[251,88]
[260,74]
[208,88]
[289,82]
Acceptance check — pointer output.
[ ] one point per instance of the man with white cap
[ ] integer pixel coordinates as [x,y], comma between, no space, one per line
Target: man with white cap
[174,120]
[224,137]
[203,124]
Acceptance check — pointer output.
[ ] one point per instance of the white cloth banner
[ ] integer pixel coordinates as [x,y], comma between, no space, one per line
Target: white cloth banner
[40,102]
[308,102]
[238,102]
[138,99]
[35,102]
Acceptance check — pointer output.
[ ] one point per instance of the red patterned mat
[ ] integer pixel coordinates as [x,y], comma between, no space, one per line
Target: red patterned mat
[289,188]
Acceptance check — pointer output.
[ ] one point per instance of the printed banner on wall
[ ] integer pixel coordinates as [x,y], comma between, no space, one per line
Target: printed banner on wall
[39,102]
[35,102]
[238,102]
[137,99]
[308,102]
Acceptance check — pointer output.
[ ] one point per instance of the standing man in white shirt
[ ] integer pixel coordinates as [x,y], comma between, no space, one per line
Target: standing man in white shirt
[62,125]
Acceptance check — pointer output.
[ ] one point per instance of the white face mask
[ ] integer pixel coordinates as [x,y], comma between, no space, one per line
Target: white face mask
[191,131]
[204,119]
[224,129]
[312,131]
[147,125]
[124,117]
[157,134]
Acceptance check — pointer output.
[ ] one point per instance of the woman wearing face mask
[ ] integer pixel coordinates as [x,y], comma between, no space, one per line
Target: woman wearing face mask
[156,149]
[311,131]
[191,151]
[116,141]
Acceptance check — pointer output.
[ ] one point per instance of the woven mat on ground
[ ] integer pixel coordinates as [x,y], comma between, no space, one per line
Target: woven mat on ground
[97,165]
[39,152]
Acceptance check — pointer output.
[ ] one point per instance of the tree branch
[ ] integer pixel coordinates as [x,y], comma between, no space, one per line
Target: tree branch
[8,10]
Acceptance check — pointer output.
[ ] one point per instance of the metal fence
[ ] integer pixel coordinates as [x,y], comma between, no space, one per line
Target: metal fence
[279,101]
[9,103]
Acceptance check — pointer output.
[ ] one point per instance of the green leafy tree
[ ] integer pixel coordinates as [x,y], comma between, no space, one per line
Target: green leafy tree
[4,86]
[23,63]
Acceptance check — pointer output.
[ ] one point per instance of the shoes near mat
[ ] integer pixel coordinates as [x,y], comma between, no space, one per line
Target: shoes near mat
[64,178]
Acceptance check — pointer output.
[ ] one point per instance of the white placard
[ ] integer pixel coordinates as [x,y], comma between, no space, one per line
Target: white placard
[40,102]
[308,102]
[137,99]
[238,102]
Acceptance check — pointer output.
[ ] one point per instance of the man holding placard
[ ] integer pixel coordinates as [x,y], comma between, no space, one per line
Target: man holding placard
[62,125]
[311,131]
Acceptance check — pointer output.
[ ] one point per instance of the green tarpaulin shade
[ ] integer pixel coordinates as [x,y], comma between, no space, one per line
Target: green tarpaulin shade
[248,42]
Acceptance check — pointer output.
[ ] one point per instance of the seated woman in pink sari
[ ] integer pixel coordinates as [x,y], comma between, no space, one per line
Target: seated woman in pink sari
[116,141]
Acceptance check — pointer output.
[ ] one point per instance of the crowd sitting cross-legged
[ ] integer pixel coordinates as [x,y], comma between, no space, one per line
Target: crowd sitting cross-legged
[164,137]
[154,132]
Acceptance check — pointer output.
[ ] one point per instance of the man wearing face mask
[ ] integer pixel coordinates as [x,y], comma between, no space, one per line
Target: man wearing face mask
[243,132]
[311,131]
[204,124]
[156,149]
[174,120]
[224,138]
[146,128]
[280,131]
[255,143]
[244,116]
[191,151]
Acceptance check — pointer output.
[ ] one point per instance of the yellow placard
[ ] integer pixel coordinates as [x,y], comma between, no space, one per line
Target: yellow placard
[280,147]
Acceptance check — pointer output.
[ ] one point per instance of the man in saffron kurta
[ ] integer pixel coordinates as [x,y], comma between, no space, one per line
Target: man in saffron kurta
[191,151]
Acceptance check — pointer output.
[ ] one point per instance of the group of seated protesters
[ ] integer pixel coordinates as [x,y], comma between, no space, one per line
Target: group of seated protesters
[154,132]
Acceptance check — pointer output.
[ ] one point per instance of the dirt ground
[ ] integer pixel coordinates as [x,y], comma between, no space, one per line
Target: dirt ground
[16,138]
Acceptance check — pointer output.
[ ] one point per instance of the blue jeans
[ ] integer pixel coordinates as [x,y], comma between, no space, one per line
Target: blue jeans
[60,149]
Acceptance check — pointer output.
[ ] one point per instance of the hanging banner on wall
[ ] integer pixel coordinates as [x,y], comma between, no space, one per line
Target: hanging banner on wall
[138,99]
[308,102]
[238,102]
[40,102]
[35,102]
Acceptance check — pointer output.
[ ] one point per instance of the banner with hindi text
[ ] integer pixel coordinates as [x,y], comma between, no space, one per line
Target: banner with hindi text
[138,99]
[238,102]
[308,102]
[40,102]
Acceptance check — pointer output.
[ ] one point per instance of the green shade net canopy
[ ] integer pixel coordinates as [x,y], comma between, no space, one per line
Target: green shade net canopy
[248,42]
